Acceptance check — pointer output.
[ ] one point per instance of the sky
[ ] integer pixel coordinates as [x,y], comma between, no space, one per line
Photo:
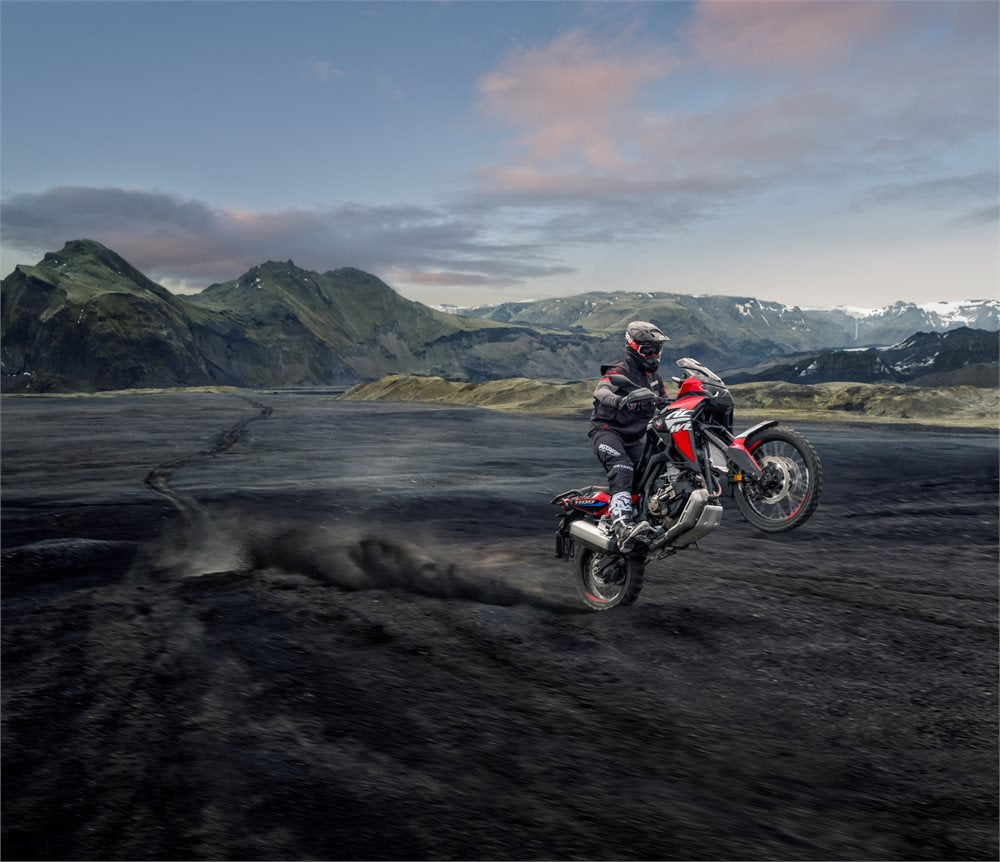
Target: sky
[812,152]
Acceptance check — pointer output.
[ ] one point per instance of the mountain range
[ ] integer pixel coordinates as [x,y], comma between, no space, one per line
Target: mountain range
[790,327]
[84,318]
[961,356]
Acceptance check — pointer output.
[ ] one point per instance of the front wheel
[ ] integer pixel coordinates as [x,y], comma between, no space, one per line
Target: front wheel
[789,490]
[602,586]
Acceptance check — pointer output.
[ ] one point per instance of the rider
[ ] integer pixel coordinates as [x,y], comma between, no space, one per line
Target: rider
[616,430]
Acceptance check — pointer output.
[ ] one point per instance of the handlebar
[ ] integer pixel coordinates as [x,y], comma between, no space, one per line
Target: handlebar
[657,400]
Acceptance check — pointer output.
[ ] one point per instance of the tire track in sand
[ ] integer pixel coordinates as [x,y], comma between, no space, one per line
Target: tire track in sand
[158,479]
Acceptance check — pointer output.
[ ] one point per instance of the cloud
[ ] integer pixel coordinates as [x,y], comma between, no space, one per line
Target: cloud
[618,137]
[612,137]
[568,98]
[779,34]
[190,243]
[983,215]
[941,191]
[322,70]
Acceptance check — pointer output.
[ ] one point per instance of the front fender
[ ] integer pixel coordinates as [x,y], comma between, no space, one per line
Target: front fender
[740,456]
[758,427]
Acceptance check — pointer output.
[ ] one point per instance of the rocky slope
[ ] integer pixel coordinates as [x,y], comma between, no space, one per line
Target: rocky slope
[743,326]
[960,357]
[84,318]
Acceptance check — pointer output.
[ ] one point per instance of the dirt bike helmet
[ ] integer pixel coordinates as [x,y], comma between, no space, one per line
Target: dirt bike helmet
[644,340]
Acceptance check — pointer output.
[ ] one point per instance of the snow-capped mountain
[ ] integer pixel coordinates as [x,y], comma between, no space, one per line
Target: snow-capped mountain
[973,313]
[888,324]
[702,318]
[959,356]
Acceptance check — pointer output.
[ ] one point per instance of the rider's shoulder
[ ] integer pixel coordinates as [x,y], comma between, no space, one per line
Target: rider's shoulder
[618,367]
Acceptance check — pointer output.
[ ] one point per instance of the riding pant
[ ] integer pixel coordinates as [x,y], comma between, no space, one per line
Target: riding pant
[618,458]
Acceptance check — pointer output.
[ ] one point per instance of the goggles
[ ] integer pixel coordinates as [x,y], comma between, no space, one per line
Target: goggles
[647,351]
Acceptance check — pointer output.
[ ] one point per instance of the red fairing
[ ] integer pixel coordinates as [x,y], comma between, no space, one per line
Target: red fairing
[692,384]
[678,420]
[688,402]
[682,440]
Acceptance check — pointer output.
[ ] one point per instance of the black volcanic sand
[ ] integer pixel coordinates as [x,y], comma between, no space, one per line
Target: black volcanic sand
[339,632]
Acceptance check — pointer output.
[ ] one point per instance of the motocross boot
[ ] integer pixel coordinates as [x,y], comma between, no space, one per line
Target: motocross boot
[629,533]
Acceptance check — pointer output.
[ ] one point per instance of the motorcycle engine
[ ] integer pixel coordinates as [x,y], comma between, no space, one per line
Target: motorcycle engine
[671,492]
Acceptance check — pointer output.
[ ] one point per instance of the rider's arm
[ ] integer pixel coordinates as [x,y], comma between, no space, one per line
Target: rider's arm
[605,394]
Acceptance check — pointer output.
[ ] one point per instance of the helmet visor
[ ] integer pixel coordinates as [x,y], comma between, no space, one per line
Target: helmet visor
[646,350]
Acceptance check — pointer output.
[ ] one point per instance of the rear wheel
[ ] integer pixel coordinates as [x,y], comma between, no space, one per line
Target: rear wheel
[789,490]
[603,587]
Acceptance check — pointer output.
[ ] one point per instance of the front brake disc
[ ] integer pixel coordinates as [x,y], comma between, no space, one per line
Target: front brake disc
[783,472]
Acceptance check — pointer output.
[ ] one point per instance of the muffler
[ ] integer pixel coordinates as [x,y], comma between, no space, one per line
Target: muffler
[588,535]
[697,519]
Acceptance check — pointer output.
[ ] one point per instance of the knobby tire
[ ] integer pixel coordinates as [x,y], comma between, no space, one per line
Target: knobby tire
[744,491]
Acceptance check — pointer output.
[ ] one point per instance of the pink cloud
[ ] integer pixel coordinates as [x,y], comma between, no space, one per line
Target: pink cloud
[568,98]
[845,89]
[773,33]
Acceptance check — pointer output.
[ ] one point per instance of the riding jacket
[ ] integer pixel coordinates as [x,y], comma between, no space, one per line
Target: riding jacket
[630,424]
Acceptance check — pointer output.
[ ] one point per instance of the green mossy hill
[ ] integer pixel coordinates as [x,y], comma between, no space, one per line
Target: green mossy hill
[85,319]
[514,395]
[343,307]
[954,405]
[355,319]
[962,405]
[85,269]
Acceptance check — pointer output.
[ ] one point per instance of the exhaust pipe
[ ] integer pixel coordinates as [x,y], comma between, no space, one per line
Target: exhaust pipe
[698,518]
[590,537]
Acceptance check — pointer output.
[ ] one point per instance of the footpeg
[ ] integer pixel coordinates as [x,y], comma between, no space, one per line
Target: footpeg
[641,534]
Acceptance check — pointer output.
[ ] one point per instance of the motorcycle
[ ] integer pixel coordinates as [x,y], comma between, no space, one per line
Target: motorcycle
[773,474]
